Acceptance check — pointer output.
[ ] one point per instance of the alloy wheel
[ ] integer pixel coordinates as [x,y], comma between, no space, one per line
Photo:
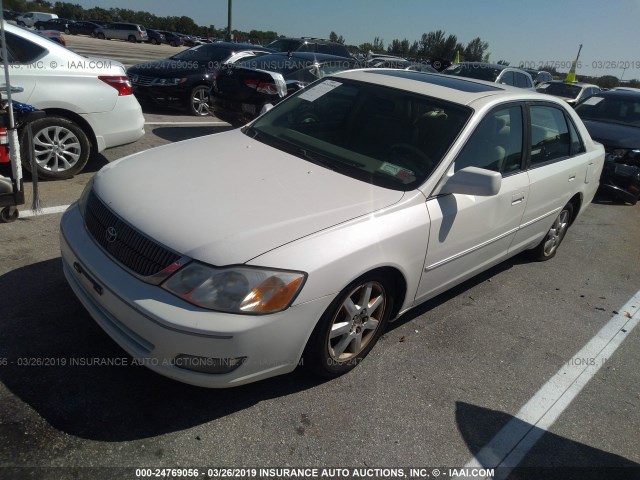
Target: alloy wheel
[56,148]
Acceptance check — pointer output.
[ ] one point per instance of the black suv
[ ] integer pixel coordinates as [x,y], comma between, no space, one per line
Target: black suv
[308,44]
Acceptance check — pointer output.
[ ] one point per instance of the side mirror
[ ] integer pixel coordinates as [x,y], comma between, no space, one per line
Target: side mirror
[473,181]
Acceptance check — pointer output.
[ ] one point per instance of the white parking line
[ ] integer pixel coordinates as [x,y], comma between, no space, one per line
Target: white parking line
[187,123]
[510,445]
[43,211]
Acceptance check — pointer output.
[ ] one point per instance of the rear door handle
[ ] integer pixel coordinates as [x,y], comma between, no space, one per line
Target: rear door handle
[572,177]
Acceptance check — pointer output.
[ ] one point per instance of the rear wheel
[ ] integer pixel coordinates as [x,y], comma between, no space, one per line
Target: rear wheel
[173,43]
[66,31]
[132,39]
[154,41]
[60,147]
[548,247]
[199,101]
[101,36]
[350,327]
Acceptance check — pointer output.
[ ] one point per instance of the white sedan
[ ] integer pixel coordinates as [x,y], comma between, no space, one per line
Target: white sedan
[89,102]
[230,258]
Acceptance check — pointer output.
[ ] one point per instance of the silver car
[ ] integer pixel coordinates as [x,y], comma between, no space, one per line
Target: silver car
[131,32]
[230,258]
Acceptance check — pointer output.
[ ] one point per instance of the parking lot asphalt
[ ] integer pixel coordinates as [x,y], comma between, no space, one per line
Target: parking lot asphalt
[440,384]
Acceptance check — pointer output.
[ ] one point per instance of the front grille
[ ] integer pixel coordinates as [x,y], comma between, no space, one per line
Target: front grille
[141,80]
[125,244]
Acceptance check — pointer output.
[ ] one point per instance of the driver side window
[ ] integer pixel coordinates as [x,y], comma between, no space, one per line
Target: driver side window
[496,143]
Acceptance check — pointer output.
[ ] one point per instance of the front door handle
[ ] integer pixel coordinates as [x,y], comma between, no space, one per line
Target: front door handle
[572,177]
[517,198]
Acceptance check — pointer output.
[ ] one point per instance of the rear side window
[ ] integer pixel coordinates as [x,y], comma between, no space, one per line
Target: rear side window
[550,138]
[576,143]
[22,50]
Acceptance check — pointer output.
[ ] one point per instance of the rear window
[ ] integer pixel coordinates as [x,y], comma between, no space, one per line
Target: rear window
[276,63]
[22,50]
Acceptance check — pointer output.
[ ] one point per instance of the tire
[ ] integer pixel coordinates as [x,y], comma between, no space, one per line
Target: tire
[93,34]
[132,39]
[173,43]
[61,148]
[67,32]
[22,24]
[9,214]
[40,27]
[199,101]
[101,35]
[548,247]
[154,41]
[346,332]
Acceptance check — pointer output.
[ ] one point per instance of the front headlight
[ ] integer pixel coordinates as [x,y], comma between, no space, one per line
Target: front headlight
[169,82]
[249,290]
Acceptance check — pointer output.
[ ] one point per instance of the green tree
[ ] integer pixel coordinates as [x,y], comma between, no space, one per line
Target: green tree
[475,50]
[608,81]
[333,37]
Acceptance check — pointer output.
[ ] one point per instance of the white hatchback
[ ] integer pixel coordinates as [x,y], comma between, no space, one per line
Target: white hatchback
[89,102]
[344,206]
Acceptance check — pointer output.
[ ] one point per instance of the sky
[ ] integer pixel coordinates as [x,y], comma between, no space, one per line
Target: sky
[535,32]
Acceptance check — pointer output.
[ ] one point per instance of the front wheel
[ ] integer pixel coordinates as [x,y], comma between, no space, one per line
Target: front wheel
[350,327]
[199,101]
[101,36]
[60,147]
[132,39]
[154,41]
[548,247]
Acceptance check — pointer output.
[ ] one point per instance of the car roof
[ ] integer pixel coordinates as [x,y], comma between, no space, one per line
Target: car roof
[628,94]
[578,84]
[310,56]
[460,90]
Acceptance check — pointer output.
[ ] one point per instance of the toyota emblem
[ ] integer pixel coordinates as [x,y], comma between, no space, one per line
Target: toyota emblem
[111,234]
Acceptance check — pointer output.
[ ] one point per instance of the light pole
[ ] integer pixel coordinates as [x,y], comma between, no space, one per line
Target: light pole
[229,34]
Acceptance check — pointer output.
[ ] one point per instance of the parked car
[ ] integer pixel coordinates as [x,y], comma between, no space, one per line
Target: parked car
[613,119]
[491,72]
[187,40]
[59,24]
[539,76]
[131,32]
[10,14]
[83,28]
[28,19]
[571,92]
[241,90]
[54,36]
[309,44]
[155,37]
[346,205]
[89,102]
[401,63]
[172,38]
[184,79]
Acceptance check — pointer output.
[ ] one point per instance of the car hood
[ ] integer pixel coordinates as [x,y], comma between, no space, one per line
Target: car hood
[167,67]
[613,135]
[226,198]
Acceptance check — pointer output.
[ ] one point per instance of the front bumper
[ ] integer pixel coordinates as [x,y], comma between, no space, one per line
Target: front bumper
[155,327]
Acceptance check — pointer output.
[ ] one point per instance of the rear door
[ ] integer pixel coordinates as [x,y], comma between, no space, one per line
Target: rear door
[470,233]
[557,168]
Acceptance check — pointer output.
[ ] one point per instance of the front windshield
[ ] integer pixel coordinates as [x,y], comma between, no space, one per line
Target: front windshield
[611,109]
[478,71]
[388,137]
[560,89]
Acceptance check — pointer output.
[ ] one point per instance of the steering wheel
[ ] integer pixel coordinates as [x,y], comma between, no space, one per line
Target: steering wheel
[409,156]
